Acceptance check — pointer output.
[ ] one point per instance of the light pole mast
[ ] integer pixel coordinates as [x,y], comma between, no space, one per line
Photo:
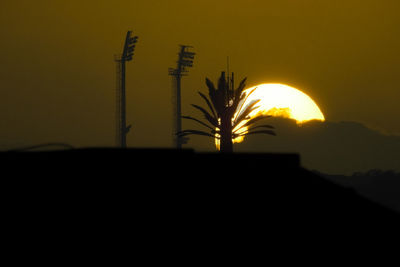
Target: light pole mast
[185,59]
[127,54]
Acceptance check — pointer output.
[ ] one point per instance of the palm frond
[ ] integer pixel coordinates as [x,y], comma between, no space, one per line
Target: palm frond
[212,92]
[210,84]
[198,121]
[238,93]
[249,108]
[253,120]
[261,126]
[216,96]
[242,84]
[222,85]
[208,103]
[255,127]
[210,118]
[211,88]
[257,132]
[195,132]
[243,99]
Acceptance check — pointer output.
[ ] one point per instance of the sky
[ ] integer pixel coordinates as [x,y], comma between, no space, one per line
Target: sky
[57,69]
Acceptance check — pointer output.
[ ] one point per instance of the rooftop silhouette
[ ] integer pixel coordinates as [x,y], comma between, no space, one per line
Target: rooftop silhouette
[244,183]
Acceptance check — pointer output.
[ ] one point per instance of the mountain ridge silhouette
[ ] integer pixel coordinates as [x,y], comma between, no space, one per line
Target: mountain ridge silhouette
[330,147]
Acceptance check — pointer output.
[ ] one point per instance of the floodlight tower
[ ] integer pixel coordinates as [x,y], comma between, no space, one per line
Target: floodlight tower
[120,60]
[185,60]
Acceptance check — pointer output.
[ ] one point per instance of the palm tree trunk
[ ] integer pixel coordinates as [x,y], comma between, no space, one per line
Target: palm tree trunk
[226,145]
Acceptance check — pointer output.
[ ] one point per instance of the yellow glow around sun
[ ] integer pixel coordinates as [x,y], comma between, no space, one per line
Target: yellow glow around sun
[281,100]
[275,96]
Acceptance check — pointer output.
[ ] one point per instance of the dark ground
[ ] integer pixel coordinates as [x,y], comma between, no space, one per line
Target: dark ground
[91,198]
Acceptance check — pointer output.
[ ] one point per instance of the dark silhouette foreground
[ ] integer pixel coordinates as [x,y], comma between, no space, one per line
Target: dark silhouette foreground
[152,178]
[164,199]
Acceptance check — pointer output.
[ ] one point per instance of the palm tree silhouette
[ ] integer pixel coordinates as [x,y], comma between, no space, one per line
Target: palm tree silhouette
[228,117]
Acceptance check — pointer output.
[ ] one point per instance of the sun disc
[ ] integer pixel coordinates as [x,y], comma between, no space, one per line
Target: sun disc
[280,100]
[295,104]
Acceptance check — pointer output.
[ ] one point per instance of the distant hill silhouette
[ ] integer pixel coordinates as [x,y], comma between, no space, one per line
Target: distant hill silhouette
[377,185]
[330,147]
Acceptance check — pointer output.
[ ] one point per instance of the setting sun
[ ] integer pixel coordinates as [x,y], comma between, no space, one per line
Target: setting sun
[281,100]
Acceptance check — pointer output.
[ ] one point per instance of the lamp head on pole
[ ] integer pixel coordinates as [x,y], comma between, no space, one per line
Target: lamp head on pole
[129,47]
